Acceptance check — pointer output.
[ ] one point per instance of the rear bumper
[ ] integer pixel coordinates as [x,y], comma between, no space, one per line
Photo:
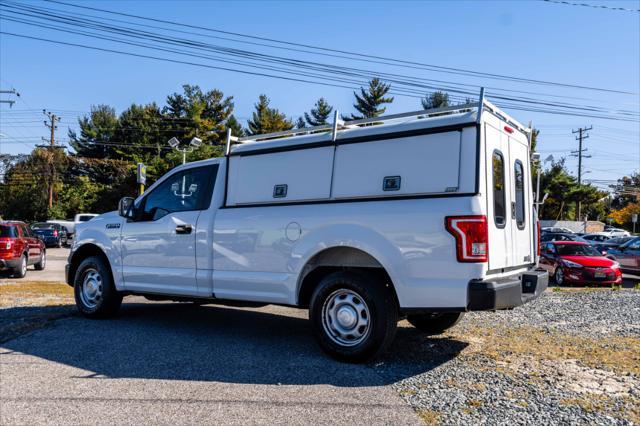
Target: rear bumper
[506,292]
[9,263]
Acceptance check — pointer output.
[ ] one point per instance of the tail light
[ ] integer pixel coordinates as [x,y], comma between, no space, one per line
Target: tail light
[55,232]
[472,237]
[538,237]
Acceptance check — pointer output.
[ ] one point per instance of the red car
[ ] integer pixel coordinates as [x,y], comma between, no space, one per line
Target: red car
[20,248]
[576,262]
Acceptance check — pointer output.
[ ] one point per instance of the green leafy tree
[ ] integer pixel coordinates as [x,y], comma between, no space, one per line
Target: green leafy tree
[319,114]
[96,130]
[198,113]
[565,193]
[235,126]
[435,100]
[369,102]
[266,119]
[300,123]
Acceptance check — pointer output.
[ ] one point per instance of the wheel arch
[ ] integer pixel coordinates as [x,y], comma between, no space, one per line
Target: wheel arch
[82,253]
[338,258]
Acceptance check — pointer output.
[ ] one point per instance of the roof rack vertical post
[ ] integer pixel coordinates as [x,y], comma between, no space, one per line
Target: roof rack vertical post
[228,147]
[480,105]
[336,122]
[334,135]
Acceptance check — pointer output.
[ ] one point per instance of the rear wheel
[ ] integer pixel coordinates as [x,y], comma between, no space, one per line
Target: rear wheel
[354,316]
[21,270]
[42,263]
[94,290]
[435,323]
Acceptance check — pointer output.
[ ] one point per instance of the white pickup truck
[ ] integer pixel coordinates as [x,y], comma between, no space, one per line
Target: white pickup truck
[422,216]
[71,224]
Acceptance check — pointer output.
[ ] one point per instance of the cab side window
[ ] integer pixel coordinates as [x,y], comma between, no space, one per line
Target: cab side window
[187,190]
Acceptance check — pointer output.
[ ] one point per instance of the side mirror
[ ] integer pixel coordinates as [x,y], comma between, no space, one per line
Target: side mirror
[125,207]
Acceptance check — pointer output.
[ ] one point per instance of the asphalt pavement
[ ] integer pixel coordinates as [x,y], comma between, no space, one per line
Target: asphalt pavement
[178,363]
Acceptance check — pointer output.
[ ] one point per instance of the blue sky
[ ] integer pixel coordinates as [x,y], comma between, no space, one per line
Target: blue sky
[532,39]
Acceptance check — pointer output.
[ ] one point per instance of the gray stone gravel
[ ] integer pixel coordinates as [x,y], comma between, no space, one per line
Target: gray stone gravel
[464,386]
[595,312]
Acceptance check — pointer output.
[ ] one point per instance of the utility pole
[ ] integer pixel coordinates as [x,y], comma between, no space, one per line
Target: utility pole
[582,135]
[10,102]
[52,125]
[10,92]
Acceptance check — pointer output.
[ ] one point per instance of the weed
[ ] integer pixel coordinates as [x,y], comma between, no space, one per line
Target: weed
[429,417]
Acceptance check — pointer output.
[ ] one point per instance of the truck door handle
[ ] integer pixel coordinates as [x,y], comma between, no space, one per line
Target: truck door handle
[513,210]
[184,229]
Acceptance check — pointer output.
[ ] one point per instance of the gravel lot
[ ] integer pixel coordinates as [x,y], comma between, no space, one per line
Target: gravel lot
[570,357]
[567,358]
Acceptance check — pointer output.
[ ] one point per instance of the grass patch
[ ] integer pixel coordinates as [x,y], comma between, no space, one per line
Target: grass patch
[429,417]
[29,293]
[616,353]
[626,408]
[26,306]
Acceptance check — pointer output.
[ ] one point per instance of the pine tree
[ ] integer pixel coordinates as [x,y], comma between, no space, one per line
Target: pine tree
[319,113]
[266,119]
[301,124]
[235,126]
[369,101]
[435,100]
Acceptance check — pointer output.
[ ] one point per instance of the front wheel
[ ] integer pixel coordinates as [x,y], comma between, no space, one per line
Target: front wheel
[94,290]
[354,316]
[558,277]
[435,323]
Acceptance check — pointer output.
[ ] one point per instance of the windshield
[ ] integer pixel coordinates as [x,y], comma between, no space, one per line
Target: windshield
[42,226]
[8,232]
[576,250]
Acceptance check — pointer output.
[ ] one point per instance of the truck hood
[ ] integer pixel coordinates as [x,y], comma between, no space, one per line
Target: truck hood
[101,222]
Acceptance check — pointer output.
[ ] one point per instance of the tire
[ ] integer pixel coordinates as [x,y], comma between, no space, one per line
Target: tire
[435,323]
[558,276]
[368,311]
[94,290]
[43,262]
[21,270]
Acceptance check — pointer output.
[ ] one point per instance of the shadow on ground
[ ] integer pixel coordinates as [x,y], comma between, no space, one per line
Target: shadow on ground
[210,343]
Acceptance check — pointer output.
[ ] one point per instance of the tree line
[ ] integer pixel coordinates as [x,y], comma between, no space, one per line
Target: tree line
[107,146]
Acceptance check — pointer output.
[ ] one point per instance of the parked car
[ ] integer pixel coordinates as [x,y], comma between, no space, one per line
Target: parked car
[596,237]
[20,248]
[575,262]
[53,234]
[610,244]
[560,236]
[336,225]
[628,255]
[71,224]
[557,229]
[615,232]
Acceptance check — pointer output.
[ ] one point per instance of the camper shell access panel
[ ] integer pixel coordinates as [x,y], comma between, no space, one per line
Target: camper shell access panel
[419,158]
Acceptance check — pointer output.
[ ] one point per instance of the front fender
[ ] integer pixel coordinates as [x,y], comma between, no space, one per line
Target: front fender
[108,244]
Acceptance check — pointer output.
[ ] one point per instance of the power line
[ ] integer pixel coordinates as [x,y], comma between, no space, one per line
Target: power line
[322,83]
[342,70]
[594,6]
[356,54]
